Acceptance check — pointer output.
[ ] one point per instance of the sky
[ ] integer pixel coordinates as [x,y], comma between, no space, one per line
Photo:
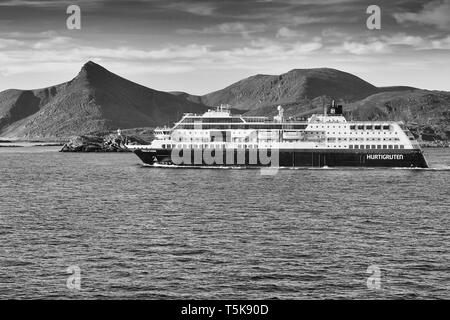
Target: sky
[199,46]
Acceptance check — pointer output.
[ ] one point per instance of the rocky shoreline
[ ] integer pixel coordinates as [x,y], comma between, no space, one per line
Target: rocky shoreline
[108,143]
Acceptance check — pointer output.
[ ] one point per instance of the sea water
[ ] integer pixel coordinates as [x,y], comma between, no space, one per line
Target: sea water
[125,230]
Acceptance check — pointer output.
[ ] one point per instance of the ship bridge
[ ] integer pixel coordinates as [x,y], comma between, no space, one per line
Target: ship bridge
[222,111]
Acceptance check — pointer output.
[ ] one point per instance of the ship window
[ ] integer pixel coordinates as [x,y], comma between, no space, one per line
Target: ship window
[374,146]
[396,147]
[350,146]
[402,146]
[390,146]
[352,127]
[367,147]
[360,127]
[377,127]
[361,146]
[369,127]
[163,146]
[384,146]
[386,127]
[356,146]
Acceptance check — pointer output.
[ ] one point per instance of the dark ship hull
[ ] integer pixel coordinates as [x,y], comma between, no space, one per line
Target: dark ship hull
[372,158]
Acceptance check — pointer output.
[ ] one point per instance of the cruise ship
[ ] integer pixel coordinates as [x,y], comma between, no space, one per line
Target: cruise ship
[219,138]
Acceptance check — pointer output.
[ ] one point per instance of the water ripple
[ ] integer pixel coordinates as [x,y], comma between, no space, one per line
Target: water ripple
[163,233]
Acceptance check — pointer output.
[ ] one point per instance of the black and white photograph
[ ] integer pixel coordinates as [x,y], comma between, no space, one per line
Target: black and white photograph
[224,154]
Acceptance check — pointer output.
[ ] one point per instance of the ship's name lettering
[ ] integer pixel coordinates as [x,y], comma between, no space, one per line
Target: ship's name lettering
[384,157]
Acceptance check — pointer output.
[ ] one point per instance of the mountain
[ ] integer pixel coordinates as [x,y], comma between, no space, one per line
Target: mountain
[427,113]
[187,96]
[95,100]
[296,85]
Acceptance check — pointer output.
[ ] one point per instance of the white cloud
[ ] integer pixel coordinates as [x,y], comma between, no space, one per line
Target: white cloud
[441,43]
[417,42]
[335,33]
[52,42]
[304,48]
[9,43]
[14,3]
[49,3]
[388,44]
[436,13]
[201,9]
[300,20]
[359,48]
[128,53]
[229,28]
[404,39]
[285,32]
[63,51]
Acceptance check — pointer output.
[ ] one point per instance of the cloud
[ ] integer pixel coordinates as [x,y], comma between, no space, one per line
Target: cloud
[195,8]
[8,43]
[359,48]
[52,42]
[435,13]
[305,48]
[441,44]
[173,52]
[49,4]
[404,39]
[229,28]
[285,32]
[393,43]
[417,42]
[301,20]
[23,3]
[28,55]
[29,35]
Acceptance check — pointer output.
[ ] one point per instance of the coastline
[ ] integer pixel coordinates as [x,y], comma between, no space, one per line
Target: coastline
[24,144]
